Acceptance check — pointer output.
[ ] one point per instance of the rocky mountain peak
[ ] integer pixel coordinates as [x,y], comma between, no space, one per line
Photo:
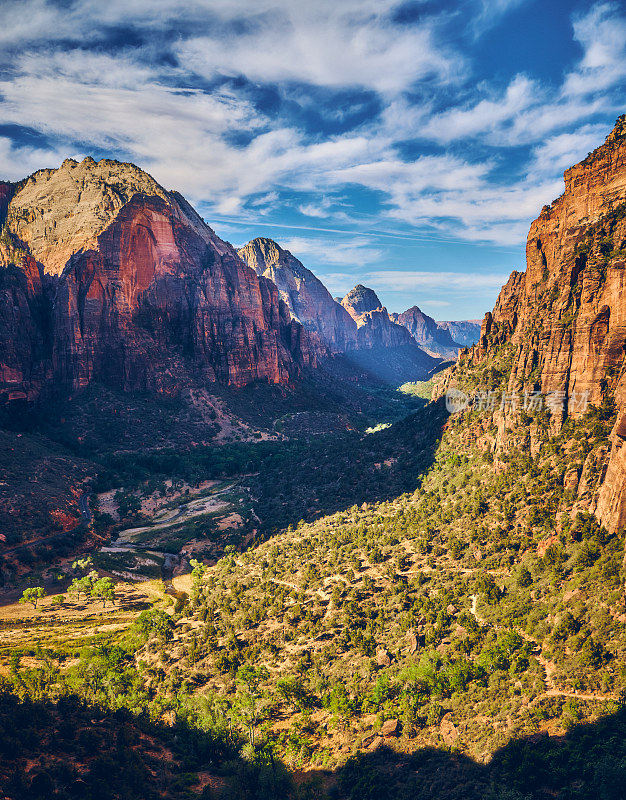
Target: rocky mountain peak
[361,300]
[261,253]
[144,295]
[58,212]
[306,296]
[433,339]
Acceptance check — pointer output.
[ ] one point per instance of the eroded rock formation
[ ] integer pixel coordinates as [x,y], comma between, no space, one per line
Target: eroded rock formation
[427,333]
[383,346]
[308,300]
[566,315]
[106,276]
[375,326]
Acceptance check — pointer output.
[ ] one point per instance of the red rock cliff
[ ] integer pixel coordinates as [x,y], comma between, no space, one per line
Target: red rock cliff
[566,315]
[143,294]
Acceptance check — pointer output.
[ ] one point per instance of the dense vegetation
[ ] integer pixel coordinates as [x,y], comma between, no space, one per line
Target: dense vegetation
[428,610]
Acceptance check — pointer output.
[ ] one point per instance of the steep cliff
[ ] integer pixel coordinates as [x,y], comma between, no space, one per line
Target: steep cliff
[384,347]
[308,300]
[375,326]
[432,338]
[106,276]
[563,321]
[358,326]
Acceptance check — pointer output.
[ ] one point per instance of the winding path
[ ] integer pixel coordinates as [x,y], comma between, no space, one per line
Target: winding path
[549,667]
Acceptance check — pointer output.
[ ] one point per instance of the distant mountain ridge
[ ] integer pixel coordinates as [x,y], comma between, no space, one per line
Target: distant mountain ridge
[107,277]
[464,332]
[427,333]
[358,327]
[308,300]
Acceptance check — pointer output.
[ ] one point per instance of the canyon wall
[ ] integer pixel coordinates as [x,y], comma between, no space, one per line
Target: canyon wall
[565,316]
[308,300]
[108,277]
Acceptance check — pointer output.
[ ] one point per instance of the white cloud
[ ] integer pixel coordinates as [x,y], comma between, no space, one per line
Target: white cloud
[561,151]
[407,280]
[353,251]
[490,12]
[325,43]
[18,161]
[140,107]
[454,284]
[602,34]
[485,115]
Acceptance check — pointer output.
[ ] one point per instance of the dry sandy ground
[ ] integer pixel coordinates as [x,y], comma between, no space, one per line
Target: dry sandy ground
[23,625]
[153,502]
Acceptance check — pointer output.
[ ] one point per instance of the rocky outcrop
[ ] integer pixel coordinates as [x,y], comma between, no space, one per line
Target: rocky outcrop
[308,300]
[430,337]
[463,332]
[566,315]
[359,326]
[108,277]
[58,212]
[384,347]
[375,326]
[361,300]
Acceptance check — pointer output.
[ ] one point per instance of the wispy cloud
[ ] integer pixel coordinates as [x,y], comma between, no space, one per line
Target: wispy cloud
[245,107]
[401,280]
[324,43]
[416,281]
[602,34]
[354,252]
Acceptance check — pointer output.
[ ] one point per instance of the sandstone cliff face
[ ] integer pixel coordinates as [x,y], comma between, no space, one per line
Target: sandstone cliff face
[375,326]
[60,211]
[308,300]
[125,284]
[566,315]
[434,340]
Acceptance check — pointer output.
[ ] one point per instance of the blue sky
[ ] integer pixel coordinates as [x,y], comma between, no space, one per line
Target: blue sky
[405,145]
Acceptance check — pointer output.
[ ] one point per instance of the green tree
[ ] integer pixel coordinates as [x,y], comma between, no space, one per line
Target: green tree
[524,578]
[249,697]
[83,564]
[293,690]
[83,585]
[33,595]
[104,589]
[155,623]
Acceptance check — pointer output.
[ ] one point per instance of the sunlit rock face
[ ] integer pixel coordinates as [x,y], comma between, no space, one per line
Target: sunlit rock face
[107,276]
[566,315]
[375,326]
[308,300]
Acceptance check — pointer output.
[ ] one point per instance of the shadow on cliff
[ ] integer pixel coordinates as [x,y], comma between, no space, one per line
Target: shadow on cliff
[69,750]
